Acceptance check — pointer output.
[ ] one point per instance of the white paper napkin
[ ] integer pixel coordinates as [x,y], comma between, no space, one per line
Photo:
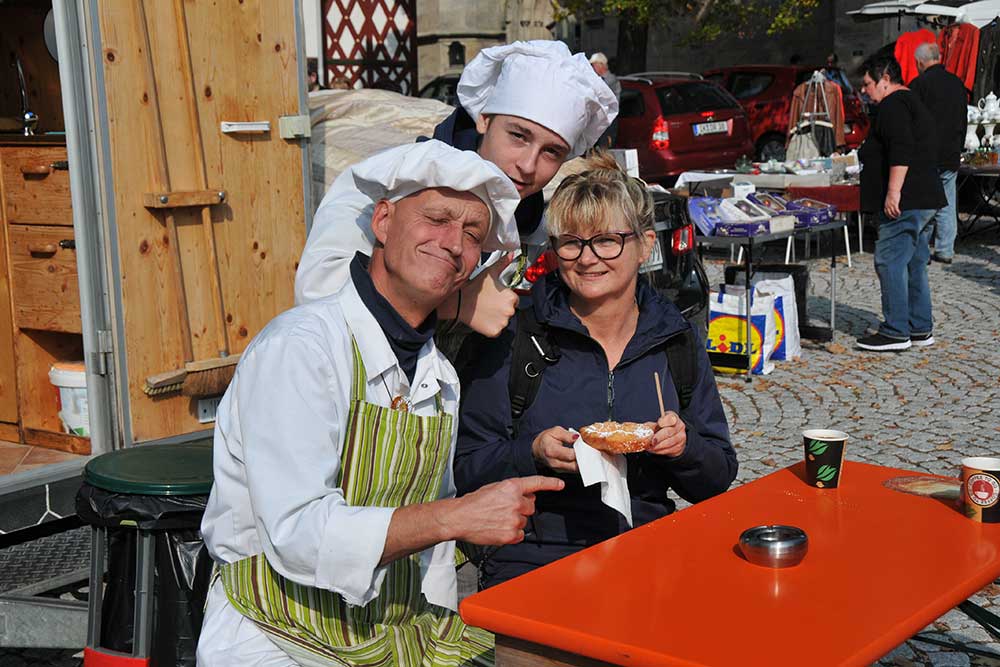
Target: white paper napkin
[610,471]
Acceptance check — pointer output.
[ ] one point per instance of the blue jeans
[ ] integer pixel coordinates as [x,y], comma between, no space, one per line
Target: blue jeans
[946,218]
[901,255]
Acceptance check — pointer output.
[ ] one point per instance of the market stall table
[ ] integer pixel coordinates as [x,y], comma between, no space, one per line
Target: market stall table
[881,565]
[987,179]
[748,242]
[846,197]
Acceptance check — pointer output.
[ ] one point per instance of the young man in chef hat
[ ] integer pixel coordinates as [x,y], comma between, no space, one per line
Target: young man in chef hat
[332,518]
[527,107]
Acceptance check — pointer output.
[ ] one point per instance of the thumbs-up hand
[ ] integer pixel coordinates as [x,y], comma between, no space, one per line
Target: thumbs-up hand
[487,305]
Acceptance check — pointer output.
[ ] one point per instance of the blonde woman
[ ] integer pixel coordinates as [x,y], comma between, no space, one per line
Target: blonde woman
[610,331]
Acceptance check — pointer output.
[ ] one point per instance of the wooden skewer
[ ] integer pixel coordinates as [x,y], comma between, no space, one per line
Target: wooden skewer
[659,393]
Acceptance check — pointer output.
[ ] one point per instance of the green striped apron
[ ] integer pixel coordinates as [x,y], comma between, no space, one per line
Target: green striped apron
[390,458]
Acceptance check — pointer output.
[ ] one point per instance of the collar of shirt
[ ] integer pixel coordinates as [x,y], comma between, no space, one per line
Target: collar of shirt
[433,370]
[406,341]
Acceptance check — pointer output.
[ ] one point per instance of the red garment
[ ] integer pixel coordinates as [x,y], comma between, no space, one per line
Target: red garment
[905,46]
[959,45]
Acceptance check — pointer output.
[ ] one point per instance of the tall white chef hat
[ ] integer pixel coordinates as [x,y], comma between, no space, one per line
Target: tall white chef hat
[543,82]
[404,170]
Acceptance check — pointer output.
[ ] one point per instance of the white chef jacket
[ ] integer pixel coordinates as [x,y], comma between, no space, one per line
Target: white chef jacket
[278,438]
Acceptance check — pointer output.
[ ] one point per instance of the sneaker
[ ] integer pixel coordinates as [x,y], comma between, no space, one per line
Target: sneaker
[922,340]
[938,258]
[880,343]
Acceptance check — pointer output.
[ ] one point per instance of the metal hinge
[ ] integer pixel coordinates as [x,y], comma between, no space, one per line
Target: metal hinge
[104,349]
[294,127]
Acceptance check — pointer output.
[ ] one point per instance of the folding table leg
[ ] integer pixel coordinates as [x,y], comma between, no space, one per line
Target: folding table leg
[971,650]
[789,247]
[987,619]
[847,246]
[833,286]
[861,233]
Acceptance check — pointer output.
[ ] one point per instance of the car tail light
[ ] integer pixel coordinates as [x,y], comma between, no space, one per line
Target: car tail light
[546,263]
[661,137]
[683,240]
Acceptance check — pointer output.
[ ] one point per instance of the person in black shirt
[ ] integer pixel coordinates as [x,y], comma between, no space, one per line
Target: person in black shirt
[899,181]
[945,97]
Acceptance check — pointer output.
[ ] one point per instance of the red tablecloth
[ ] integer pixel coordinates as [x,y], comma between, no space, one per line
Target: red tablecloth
[846,198]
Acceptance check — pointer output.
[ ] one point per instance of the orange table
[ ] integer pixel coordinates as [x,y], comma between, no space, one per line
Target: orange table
[881,566]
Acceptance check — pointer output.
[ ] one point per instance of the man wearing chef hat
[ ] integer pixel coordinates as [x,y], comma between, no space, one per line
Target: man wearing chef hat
[333,518]
[527,107]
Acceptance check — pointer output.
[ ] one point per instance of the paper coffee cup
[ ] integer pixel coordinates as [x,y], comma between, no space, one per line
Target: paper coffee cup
[981,488]
[824,452]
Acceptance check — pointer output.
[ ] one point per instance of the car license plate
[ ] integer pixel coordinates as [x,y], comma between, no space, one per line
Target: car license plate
[655,261]
[710,128]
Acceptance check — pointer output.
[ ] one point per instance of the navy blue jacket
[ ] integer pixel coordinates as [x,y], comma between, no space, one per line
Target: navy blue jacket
[459,130]
[577,391]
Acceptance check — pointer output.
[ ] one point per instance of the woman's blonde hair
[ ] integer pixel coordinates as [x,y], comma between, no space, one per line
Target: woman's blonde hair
[587,202]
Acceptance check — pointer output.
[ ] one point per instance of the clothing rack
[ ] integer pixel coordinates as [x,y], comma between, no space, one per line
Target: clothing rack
[820,116]
[814,91]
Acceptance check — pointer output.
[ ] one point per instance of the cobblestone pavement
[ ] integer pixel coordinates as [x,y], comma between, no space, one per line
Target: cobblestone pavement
[923,409]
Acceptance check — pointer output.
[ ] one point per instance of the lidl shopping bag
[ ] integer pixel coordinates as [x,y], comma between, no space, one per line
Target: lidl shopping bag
[787,343]
[727,329]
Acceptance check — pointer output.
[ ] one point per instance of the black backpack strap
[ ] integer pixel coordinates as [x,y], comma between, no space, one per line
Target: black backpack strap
[682,360]
[532,353]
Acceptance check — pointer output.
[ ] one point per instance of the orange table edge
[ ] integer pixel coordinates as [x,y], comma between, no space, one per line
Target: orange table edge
[881,565]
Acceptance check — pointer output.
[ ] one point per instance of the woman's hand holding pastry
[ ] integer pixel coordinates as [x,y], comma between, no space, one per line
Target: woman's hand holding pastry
[553,448]
[670,437]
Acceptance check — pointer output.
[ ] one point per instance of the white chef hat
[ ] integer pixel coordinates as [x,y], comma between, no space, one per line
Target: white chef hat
[404,170]
[544,83]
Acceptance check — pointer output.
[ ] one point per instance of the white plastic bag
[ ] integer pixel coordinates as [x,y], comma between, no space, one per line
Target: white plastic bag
[787,344]
[727,328]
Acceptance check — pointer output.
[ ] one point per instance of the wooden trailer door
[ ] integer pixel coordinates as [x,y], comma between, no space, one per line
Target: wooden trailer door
[206,198]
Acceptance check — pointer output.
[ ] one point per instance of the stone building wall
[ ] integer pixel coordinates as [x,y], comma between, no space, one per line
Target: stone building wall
[475,25]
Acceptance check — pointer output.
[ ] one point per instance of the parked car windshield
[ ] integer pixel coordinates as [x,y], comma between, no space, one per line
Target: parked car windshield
[749,84]
[693,97]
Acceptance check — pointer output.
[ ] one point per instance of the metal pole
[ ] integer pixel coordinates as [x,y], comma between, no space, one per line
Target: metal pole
[833,283]
[749,295]
[143,613]
[95,595]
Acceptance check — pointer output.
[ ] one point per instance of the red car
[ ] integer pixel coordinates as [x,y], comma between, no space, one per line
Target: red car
[765,91]
[679,122]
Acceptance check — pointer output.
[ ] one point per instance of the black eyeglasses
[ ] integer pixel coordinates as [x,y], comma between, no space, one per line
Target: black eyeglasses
[608,245]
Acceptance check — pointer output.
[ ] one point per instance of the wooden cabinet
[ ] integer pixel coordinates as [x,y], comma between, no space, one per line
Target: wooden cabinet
[43,274]
[36,185]
[39,293]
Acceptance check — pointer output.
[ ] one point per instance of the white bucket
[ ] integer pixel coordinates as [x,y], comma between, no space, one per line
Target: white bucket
[71,379]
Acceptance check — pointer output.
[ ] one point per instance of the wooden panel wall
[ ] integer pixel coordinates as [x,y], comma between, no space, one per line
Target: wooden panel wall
[244,67]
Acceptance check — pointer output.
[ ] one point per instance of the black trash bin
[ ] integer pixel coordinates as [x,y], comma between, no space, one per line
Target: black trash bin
[145,506]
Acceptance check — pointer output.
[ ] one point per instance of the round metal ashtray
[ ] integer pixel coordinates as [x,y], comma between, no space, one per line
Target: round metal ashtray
[774,546]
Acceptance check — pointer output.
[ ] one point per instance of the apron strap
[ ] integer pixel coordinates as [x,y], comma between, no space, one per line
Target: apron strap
[358,382]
